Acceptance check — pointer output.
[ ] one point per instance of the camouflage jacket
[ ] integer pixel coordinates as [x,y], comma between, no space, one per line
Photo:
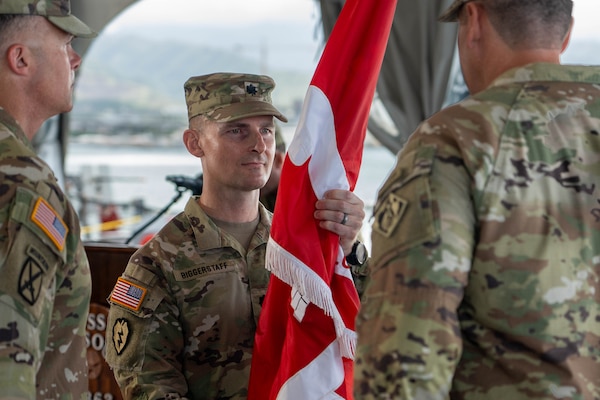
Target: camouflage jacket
[486,249]
[183,315]
[45,287]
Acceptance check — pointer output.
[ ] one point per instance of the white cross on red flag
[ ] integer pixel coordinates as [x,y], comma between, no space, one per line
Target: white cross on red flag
[305,340]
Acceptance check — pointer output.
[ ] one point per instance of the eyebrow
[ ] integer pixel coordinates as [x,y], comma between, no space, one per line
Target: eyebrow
[234,124]
[239,124]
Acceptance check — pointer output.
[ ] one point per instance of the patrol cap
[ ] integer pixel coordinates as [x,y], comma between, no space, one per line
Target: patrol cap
[228,96]
[58,12]
[451,14]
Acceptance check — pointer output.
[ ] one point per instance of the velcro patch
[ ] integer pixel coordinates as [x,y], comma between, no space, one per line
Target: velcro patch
[44,216]
[128,294]
[202,270]
[120,334]
[389,215]
[31,279]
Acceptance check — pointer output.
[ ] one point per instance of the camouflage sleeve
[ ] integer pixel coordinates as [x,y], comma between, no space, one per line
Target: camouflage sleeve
[28,264]
[144,337]
[409,341]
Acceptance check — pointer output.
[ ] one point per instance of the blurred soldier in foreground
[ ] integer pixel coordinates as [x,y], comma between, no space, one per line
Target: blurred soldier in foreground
[184,313]
[486,237]
[268,193]
[45,286]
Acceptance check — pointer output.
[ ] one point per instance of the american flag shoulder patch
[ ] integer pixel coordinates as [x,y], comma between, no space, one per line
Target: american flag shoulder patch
[128,294]
[48,220]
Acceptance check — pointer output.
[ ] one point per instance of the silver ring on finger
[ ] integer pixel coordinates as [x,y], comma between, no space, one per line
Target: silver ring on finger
[344,219]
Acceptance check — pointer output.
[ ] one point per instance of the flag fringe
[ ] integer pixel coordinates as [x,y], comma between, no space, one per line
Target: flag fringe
[298,275]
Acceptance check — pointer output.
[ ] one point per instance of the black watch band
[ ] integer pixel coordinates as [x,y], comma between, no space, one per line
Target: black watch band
[358,256]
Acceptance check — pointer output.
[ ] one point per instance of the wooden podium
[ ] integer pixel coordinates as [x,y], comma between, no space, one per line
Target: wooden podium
[107,263]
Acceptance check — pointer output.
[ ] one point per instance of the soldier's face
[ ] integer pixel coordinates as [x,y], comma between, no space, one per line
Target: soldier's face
[56,62]
[238,154]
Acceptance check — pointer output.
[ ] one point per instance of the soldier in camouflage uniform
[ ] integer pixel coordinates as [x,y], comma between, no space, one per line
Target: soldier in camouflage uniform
[45,287]
[486,235]
[183,315]
[268,193]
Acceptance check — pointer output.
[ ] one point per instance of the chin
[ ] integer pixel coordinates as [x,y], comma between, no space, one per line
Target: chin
[255,185]
[68,107]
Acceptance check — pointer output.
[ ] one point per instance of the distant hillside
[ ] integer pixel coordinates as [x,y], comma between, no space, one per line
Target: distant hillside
[130,83]
[126,78]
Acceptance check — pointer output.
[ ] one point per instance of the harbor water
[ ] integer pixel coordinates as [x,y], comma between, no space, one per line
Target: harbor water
[131,182]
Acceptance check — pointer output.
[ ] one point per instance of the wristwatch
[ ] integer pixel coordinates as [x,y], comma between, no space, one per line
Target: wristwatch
[358,255]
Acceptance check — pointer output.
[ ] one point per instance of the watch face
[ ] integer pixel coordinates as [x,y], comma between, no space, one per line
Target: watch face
[361,253]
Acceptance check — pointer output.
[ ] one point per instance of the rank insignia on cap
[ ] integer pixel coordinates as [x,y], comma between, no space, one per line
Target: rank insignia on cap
[252,88]
[47,219]
[128,294]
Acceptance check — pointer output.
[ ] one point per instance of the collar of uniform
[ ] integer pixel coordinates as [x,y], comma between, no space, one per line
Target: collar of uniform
[548,72]
[264,227]
[14,128]
[208,235]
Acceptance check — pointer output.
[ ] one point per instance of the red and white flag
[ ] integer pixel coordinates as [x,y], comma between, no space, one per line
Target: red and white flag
[305,341]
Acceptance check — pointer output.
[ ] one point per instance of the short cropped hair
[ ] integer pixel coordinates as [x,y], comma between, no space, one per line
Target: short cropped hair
[198,123]
[530,24]
[10,24]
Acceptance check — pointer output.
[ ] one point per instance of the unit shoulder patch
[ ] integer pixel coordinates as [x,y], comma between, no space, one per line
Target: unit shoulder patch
[390,214]
[120,334]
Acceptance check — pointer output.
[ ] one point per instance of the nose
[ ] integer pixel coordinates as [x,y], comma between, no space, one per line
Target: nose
[258,141]
[75,60]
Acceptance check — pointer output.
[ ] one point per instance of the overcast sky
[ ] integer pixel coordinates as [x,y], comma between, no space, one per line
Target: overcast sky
[586,14]
[301,16]
[241,12]
[215,12]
